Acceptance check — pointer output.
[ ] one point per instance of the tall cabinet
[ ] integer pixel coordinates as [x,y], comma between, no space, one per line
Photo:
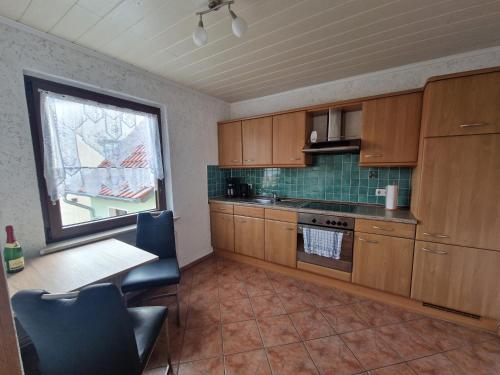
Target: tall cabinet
[458,253]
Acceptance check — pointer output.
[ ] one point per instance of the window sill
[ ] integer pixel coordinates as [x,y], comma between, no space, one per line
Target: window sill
[83,240]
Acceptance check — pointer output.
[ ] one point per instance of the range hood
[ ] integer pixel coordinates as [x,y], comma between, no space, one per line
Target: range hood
[335,131]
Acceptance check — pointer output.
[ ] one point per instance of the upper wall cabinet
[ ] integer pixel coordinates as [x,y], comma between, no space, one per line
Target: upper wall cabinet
[462,105]
[289,137]
[391,131]
[230,144]
[257,137]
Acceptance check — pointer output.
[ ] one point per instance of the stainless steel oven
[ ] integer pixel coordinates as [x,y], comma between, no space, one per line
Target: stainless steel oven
[327,223]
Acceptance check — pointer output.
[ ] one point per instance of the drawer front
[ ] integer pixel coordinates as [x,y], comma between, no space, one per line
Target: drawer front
[387,228]
[460,278]
[249,211]
[221,207]
[281,215]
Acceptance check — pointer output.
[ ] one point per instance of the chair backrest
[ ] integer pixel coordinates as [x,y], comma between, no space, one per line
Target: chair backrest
[89,334]
[155,234]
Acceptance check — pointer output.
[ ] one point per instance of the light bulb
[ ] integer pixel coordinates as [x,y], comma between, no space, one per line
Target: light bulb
[200,36]
[239,25]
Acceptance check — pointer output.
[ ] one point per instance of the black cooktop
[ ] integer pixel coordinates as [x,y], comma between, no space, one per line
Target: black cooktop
[338,207]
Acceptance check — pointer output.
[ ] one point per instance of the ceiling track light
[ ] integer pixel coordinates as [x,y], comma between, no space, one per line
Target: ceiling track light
[239,26]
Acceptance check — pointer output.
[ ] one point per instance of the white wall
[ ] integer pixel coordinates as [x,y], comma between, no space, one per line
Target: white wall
[192,133]
[384,81]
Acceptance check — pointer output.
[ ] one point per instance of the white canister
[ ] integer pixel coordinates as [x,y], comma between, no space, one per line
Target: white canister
[391,197]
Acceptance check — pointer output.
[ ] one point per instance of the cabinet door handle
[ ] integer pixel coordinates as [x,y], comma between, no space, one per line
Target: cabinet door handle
[249,160]
[474,124]
[367,241]
[373,155]
[437,252]
[380,228]
[295,158]
[288,228]
[438,235]
[235,160]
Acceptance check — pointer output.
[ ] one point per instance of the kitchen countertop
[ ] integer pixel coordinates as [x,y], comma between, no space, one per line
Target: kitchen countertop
[361,211]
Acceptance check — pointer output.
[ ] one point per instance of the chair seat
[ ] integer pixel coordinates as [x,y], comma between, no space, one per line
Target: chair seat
[147,322]
[160,273]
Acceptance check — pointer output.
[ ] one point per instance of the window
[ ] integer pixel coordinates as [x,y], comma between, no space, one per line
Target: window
[98,158]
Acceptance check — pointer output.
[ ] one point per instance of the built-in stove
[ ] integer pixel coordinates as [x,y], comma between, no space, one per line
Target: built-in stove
[330,206]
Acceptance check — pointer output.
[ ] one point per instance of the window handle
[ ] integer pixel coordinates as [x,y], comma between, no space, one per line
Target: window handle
[437,252]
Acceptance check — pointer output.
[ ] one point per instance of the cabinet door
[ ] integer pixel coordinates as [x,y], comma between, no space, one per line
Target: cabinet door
[289,137]
[230,146]
[383,262]
[464,105]
[249,236]
[281,243]
[257,137]
[459,195]
[459,278]
[222,228]
[391,130]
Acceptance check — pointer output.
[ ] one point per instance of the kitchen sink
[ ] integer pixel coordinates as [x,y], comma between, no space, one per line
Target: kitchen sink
[262,200]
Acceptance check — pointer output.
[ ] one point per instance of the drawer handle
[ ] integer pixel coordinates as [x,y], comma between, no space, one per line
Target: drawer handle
[235,160]
[435,235]
[437,252]
[380,228]
[242,221]
[367,241]
[373,155]
[295,158]
[290,228]
[473,124]
[249,160]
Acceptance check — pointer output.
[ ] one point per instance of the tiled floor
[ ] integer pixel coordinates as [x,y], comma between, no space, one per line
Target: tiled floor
[237,319]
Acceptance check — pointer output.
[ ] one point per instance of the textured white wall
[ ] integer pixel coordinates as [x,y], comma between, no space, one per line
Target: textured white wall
[192,133]
[390,80]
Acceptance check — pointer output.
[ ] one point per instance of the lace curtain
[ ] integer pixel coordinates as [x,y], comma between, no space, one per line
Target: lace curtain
[89,146]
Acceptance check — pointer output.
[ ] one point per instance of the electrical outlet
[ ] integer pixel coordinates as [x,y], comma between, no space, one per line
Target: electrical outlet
[380,192]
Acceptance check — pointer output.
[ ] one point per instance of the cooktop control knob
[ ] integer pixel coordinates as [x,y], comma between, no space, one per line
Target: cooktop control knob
[328,222]
[344,224]
[313,220]
[333,223]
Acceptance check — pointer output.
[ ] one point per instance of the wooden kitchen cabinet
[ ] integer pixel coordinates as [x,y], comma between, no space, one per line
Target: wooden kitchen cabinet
[462,105]
[391,130]
[222,230]
[290,131]
[383,262]
[458,200]
[249,236]
[281,243]
[230,144]
[257,136]
[459,278]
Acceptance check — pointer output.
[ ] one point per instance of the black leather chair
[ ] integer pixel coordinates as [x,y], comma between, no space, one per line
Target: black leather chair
[155,234]
[89,332]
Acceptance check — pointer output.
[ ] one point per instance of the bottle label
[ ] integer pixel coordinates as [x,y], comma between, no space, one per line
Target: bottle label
[16,264]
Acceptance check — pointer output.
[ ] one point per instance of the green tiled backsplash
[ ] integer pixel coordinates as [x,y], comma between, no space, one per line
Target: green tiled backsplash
[331,177]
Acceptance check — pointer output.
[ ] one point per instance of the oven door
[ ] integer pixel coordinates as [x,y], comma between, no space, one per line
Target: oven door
[342,264]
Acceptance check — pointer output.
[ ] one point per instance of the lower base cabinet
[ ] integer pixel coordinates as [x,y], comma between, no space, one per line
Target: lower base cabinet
[383,262]
[249,236]
[222,230]
[281,243]
[459,278]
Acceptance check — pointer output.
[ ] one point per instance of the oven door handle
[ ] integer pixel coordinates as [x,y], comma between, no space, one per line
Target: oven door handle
[300,228]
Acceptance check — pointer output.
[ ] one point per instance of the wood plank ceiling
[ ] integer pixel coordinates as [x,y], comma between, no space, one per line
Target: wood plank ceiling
[289,43]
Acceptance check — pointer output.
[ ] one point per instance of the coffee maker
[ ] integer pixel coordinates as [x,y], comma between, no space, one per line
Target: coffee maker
[232,187]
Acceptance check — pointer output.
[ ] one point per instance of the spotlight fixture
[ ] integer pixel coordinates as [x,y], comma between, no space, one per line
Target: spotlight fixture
[239,25]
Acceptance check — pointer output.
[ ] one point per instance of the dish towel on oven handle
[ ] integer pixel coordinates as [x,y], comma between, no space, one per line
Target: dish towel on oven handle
[325,243]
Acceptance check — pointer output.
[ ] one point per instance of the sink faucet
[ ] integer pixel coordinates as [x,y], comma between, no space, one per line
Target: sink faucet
[274,198]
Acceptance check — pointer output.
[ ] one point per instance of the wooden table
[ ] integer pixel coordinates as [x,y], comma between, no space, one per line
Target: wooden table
[72,269]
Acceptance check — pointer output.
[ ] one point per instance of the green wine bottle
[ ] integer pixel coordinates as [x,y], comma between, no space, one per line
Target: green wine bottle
[12,253]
